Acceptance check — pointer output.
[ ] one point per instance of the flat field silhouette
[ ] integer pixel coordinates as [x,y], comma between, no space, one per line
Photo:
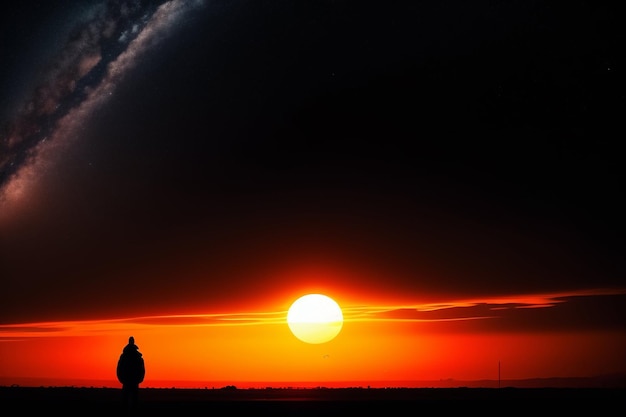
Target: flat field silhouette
[316,401]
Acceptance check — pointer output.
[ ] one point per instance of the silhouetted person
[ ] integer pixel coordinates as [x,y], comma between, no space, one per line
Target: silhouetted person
[130,372]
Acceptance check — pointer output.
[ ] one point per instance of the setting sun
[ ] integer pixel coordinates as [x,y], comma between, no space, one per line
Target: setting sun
[315,318]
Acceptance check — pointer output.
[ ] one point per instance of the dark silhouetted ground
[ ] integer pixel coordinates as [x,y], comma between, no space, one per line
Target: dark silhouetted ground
[318,402]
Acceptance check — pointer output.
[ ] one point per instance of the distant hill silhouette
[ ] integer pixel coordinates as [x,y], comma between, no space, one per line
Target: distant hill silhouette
[616,380]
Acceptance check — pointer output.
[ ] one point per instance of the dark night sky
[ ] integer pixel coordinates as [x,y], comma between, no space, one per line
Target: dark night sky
[464,147]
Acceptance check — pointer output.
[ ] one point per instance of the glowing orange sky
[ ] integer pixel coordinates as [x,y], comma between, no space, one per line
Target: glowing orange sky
[383,342]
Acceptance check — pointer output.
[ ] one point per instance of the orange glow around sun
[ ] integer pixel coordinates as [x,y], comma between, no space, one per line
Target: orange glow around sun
[378,344]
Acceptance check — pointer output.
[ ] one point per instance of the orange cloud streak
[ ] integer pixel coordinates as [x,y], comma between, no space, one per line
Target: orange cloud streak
[377,343]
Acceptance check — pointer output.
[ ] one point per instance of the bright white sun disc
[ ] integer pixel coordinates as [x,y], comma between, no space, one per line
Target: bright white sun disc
[315,318]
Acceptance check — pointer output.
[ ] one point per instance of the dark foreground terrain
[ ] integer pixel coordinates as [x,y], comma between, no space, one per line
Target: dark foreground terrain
[305,402]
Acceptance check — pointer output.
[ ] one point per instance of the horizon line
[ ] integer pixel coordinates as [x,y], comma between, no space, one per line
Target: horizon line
[612,380]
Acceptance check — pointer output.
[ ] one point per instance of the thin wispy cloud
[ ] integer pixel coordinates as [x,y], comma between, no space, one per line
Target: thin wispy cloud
[455,310]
